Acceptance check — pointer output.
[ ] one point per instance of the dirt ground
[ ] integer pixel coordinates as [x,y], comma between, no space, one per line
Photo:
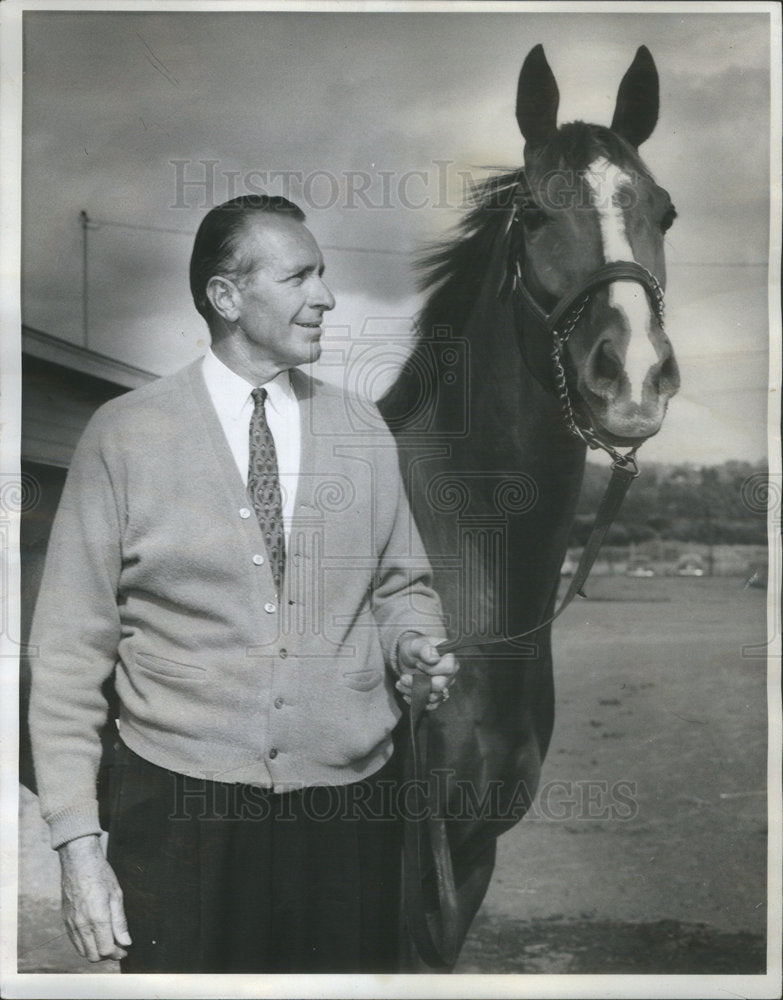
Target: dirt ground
[646,849]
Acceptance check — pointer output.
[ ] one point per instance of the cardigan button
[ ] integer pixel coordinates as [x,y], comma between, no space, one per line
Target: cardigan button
[244,513]
[279,702]
[273,753]
[258,559]
[270,608]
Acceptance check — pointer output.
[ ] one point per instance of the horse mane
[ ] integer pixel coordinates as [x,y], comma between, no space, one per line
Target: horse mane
[455,269]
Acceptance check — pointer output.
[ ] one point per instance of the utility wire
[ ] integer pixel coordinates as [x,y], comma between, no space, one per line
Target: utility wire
[97,223]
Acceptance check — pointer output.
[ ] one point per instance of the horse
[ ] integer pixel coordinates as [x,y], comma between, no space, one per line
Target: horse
[543,334]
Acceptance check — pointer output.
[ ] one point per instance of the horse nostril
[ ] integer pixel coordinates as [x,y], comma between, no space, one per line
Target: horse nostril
[603,370]
[666,380]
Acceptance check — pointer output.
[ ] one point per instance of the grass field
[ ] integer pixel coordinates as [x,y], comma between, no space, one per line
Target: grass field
[646,851]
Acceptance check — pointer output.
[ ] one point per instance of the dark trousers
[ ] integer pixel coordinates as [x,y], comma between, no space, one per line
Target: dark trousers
[232,878]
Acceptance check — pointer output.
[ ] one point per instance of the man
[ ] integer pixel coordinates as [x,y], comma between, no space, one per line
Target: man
[241,559]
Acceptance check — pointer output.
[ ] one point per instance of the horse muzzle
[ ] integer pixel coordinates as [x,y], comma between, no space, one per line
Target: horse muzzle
[620,412]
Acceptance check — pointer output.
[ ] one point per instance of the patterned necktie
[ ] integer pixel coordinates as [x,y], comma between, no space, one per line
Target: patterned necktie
[263,487]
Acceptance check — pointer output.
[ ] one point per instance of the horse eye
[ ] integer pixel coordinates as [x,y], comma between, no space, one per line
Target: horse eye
[533,219]
[668,218]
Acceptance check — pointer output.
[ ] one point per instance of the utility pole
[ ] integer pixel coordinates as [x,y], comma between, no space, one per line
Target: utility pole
[85,221]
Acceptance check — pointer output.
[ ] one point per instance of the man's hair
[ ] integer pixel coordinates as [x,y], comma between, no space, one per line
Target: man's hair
[215,246]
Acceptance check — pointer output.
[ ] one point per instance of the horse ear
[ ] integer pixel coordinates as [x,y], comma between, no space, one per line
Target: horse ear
[636,111]
[537,98]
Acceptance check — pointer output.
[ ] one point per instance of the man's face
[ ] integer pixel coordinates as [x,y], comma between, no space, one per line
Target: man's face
[283,299]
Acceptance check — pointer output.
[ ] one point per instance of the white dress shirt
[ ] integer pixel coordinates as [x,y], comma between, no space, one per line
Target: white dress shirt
[233,402]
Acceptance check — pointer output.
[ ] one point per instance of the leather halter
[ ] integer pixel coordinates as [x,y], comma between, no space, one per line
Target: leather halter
[575,299]
[558,325]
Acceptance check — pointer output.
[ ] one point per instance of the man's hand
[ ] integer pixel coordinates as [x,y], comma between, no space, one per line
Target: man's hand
[419,652]
[92,901]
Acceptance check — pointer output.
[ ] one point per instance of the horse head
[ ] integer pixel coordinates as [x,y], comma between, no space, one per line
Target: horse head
[590,223]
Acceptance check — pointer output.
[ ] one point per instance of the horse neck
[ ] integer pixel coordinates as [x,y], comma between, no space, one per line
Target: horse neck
[495,467]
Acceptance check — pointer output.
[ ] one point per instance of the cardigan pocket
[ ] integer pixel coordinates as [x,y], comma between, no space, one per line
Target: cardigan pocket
[169,668]
[364,638]
[363,680]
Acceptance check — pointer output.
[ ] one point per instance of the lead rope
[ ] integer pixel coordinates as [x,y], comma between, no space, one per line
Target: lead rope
[435,934]
[624,471]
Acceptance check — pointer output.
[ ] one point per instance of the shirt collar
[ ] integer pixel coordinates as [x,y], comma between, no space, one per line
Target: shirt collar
[280,392]
[230,392]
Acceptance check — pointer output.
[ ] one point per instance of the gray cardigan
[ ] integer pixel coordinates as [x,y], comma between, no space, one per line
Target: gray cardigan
[157,569]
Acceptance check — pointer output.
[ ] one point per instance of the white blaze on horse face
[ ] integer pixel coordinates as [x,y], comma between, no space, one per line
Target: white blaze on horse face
[606,181]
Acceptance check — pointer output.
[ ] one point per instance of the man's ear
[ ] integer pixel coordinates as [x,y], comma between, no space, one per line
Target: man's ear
[224,297]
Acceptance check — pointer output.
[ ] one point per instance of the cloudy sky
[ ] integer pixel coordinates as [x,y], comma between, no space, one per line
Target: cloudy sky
[375,122]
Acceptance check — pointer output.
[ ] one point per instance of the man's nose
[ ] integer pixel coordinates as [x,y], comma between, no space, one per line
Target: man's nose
[322,297]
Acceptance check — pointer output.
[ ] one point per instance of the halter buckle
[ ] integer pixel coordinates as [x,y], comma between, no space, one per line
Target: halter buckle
[627,463]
